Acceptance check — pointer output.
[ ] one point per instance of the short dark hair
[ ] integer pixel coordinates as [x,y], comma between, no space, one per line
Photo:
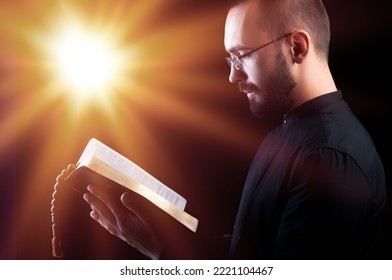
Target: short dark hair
[309,15]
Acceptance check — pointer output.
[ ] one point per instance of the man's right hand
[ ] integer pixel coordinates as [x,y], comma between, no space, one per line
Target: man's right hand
[122,219]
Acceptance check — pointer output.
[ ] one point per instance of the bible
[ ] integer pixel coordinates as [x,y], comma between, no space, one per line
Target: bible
[99,164]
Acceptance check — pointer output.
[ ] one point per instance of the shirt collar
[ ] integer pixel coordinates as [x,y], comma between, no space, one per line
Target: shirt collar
[311,106]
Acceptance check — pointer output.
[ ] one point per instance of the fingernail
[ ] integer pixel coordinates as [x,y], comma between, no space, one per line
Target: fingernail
[125,198]
[94,215]
[89,188]
[86,197]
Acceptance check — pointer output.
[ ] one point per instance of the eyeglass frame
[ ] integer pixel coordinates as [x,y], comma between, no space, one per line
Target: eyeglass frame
[236,60]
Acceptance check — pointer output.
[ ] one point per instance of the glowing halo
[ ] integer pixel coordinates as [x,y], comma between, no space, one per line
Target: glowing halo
[86,63]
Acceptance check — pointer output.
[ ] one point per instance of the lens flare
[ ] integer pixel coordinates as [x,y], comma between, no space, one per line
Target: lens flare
[84,62]
[87,63]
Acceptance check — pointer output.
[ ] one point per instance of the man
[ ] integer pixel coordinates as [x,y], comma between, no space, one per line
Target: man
[316,187]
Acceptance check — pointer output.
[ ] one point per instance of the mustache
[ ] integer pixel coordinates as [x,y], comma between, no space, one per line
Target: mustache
[247,88]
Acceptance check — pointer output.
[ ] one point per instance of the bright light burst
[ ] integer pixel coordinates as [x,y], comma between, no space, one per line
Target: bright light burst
[85,62]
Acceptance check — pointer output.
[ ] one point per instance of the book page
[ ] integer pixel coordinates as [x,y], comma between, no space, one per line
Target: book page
[98,150]
[114,175]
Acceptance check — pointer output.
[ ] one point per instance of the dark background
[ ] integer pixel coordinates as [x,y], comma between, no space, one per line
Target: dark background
[208,171]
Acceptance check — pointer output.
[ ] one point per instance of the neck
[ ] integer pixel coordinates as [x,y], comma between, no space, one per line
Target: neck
[313,82]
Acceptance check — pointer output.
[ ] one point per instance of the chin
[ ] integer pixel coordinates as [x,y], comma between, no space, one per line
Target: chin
[265,114]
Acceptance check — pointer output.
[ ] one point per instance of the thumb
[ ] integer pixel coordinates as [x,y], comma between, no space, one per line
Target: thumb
[134,202]
[126,199]
[140,206]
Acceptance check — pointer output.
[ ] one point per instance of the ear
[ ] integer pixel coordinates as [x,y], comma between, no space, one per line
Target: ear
[299,45]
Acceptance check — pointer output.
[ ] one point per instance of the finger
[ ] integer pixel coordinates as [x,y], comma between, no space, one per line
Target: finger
[130,201]
[110,199]
[153,217]
[144,224]
[141,207]
[104,222]
[112,221]
[100,209]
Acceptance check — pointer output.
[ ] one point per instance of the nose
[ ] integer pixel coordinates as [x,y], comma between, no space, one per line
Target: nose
[236,76]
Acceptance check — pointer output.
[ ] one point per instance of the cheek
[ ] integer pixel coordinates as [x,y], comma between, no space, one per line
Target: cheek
[259,70]
[253,72]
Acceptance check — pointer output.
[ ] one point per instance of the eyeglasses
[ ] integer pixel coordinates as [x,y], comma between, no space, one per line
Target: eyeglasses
[236,60]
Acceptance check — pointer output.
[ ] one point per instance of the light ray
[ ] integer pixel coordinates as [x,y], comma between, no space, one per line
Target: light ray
[169,79]
[86,62]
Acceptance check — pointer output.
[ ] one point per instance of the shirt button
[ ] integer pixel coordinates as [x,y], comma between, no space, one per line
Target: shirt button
[284,121]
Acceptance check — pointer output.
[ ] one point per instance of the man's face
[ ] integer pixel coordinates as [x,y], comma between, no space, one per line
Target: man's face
[264,75]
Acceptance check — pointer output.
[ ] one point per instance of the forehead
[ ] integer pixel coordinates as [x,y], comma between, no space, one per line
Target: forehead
[243,25]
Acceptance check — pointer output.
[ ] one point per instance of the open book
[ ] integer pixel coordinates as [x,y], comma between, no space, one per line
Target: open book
[99,160]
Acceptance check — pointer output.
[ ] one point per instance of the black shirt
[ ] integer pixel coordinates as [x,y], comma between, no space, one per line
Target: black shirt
[315,189]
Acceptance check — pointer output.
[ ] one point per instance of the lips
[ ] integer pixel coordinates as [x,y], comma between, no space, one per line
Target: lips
[248,90]
[249,94]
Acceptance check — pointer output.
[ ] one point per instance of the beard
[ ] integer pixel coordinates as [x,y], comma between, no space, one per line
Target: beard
[274,98]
